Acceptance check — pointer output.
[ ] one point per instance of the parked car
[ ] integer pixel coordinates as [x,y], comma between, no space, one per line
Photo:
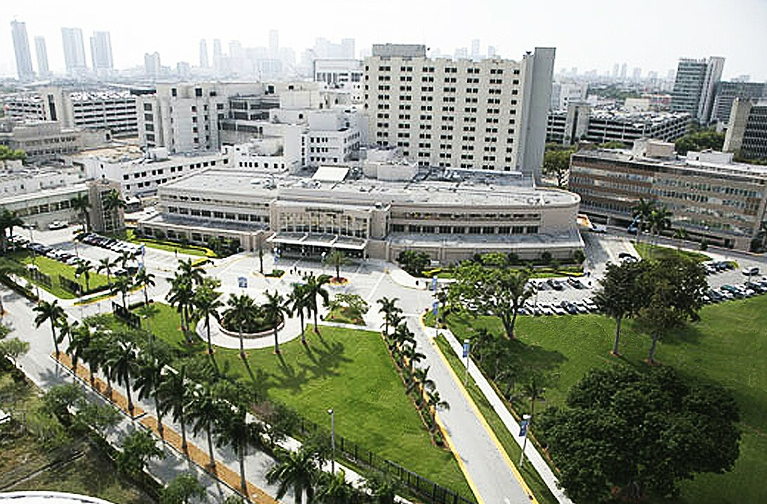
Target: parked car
[57,225]
[753,270]
[555,284]
[576,283]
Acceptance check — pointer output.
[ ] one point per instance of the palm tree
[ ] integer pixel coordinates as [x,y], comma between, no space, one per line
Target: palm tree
[315,287]
[84,268]
[299,302]
[435,403]
[388,308]
[642,211]
[81,204]
[8,220]
[106,265]
[192,271]
[520,292]
[421,381]
[121,365]
[96,355]
[336,258]
[412,356]
[149,376]
[205,410]
[173,392]
[660,219]
[79,342]
[50,311]
[180,297]
[234,430]
[275,310]
[681,235]
[534,390]
[144,279]
[240,311]
[206,304]
[298,470]
[113,202]
[122,285]
[333,489]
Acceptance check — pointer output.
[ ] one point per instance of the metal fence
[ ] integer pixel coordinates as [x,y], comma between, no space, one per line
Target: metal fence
[126,316]
[422,487]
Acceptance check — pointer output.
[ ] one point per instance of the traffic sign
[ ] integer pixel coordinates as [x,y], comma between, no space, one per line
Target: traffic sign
[242,282]
[523,428]
[466,348]
[435,308]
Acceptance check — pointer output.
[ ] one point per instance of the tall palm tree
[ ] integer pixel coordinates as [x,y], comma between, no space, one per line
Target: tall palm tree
[121,365]
[233,429]
[112,203]
[192,271]
[79,342]
[336,258]
[8,220]
[81,204]
[206,304]
[520,291]
[534,390]
[145,280]
[642,211]
[299,302]
[412,356]
[275,310]
[122,284]
[106,265]
[421,381]
[298,470]
[52,312]
[173,392]
[149,370]
[205,410]
[659,220]
[180,297]
[315,288]
[333,489]
[96,355]
[435,403]
[681,235]
[83,268]
[240,310]
[388,308]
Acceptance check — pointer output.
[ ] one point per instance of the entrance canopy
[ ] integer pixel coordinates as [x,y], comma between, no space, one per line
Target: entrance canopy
[330,173]
[324,241]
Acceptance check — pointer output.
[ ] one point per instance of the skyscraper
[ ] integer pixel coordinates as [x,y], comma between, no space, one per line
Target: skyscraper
[624,69]
[21,49]
[274,43]
[101,52]
[42,57]
[74,50]
[475,49]
[204,54]
[695,86]
[152,66]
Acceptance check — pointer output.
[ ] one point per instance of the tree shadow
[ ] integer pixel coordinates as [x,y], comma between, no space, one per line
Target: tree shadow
[288,378]
[326,359]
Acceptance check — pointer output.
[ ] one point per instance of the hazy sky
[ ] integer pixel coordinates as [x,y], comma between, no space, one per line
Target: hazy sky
[650,34]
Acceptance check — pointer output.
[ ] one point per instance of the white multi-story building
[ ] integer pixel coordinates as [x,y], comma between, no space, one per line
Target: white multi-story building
[336,72]
[139,174]
[185,117]
[100,109]
[695,87]
[488,114]
[48,140]
[562,93]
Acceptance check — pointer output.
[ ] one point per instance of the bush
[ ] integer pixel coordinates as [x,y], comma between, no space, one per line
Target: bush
[704,245]
[546,257]
[275,273]
[578,257]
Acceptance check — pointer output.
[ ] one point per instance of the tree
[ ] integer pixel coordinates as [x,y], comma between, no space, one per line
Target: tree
[674,288]
[192,271]
[493,291]
[333,489]
[681,235]
[275,310]
[13,348]
[206,304]
[382,488]
[121,365]
[53,313]
[315,288]
[6,153]
[642,211]
[240,310]
[138,448]
[180,296]
[659,220]
[298,301]
[79,340]
[106,265]
[233,429]
[699,140]
[435,403]
[181,489]
[122,284]
[205,408]
[113,203]
[82,205]
[557,163]
[145,279]
[534,390]
[297,471]
[336,258]
[173,392]
[620,294]
[388,308]
[83,268]
[625,435]
[413,262]
[8,220]
[149,377]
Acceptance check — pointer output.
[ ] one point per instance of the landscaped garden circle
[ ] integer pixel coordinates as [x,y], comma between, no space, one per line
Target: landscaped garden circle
[339,281]
[254,326]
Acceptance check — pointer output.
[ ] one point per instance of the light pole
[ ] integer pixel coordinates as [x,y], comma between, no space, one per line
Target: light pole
[34,261]
[524,427]
[467,355]
[332,441]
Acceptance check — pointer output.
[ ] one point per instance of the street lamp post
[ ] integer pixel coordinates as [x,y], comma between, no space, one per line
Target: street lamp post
[332,441]
[34,261]
[524,427]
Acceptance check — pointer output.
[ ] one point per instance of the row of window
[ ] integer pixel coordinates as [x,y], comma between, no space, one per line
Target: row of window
[472,230]
[217,214]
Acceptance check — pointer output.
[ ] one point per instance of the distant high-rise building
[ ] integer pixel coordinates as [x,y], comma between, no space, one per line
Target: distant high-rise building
[490,51]
[461,53]
[747,129]
[74,50]
[42,57]
[217,54]
[152,66]
[183,69]
[636,74]
[695,86]
[475,48]
[274,43]
[742,78]
[101,52]
[21,50]
[727,92]
[624,70]
[616,69]
[347,48]
[204,54]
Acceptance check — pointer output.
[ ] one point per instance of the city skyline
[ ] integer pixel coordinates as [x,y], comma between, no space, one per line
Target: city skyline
[581,35]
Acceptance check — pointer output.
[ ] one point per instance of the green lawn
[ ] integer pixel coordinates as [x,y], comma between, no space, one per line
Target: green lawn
[164,321]
[648,251]
[345,315]
[53,269]
[167,245]
[351,372]
[728,346]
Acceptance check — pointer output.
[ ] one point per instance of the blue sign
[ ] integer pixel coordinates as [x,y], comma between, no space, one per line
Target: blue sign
[242,282]
[435,308]
[434,283]
[466,348]
[523,428]
[143,250]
